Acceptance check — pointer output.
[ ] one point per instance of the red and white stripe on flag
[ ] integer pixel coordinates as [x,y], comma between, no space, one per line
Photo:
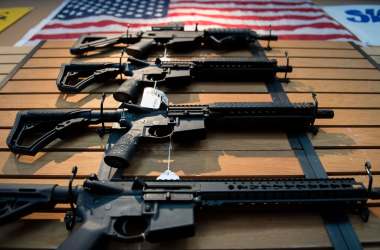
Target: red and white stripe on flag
[289,19]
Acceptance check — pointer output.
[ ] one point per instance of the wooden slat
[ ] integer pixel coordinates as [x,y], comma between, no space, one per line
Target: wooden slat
[7,118]
[89,140]
[49,86]
[327,63]
[341,100]
[225,229]
[61,44]
[19,101]
[49,163]
[348,74]
[352,117]
[42,74]
[295,62]
[2,77]
[207,163]
[152,163]
[65,44]
[54,101]
[308,44]
[349,161]
[56,62]
[11,58]
[316,53]
[292,52]
[343,117]
[335,86]
[45,216]
[347,137]
[298,73]
[93,101]
[32,181]
[6,68]
[226,163]
[295,85]
[15,50]
[85,141]
[326,138]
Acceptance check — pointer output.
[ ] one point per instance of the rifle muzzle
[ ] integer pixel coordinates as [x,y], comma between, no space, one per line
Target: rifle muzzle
[325,114]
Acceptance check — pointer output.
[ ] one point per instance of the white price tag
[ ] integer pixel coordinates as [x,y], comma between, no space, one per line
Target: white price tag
[168,175]
[154,98]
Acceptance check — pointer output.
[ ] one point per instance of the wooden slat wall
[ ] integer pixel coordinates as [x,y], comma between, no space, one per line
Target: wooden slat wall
[342,78]
[9,58]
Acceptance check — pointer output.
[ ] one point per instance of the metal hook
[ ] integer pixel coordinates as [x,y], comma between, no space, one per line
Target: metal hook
[315,129]
[120,63]
[270,34]
[102,130]
[287,65]
[314,95]
[70,217]
[368,167]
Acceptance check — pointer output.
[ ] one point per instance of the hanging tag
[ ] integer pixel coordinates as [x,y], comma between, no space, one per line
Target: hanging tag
[154,98]
[168,175]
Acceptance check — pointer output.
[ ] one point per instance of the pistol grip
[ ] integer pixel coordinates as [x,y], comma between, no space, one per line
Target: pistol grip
[141,48]
[128,91]
[121,154]
[90,235]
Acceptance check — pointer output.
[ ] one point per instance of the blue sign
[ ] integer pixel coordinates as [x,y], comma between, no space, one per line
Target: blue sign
[362,20]
[366,16]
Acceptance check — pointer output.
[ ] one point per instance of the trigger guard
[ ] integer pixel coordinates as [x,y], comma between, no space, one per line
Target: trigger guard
[131,238]
[122,233]
[158,132]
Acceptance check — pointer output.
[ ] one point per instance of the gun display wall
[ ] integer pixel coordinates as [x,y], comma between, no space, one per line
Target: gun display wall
[168,114]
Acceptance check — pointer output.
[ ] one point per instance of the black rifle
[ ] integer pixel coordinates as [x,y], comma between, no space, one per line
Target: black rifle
[35,129]
[172,37]
[137,210]
[75,77]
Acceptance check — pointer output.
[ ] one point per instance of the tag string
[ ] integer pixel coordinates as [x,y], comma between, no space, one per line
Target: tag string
[165,52]
[169,153]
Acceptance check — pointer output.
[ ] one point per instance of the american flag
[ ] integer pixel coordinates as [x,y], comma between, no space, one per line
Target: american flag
[289,19]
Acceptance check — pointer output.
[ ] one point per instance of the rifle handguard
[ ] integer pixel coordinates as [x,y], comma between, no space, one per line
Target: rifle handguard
[130,90]
[242,33]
